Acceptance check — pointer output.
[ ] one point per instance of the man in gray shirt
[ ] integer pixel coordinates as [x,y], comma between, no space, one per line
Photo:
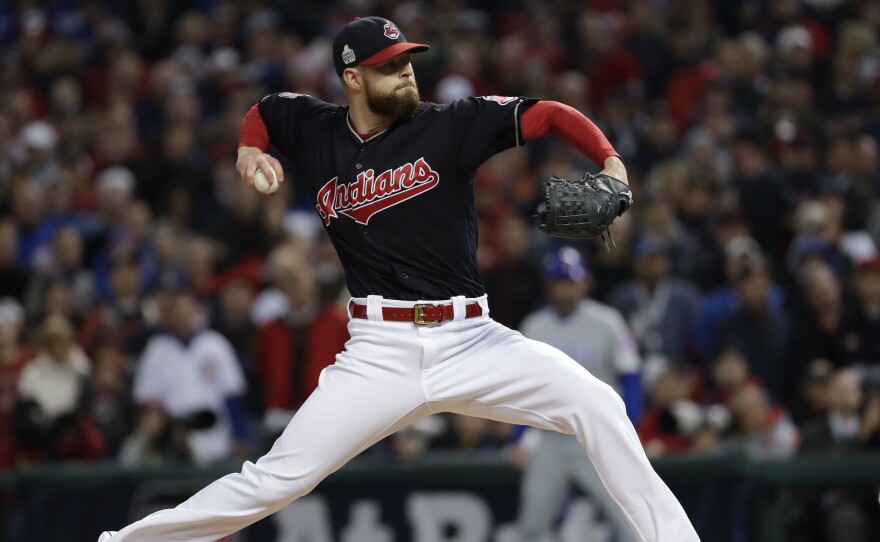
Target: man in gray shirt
[597,337]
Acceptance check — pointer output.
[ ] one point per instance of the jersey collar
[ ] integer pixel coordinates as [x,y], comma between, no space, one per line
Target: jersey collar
[357,135]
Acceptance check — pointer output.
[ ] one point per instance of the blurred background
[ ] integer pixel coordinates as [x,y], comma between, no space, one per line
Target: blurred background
[161,321]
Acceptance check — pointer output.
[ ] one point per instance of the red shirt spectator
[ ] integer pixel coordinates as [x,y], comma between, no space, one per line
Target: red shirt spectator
[12,361]
[13,358]
[291,353]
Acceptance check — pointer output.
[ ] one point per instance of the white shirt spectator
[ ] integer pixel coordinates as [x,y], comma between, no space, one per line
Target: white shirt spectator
[185,378]
[269,304]
[54,386]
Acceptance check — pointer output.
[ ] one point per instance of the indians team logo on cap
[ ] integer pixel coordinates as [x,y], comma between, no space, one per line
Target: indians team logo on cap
[391,31]
[347,54]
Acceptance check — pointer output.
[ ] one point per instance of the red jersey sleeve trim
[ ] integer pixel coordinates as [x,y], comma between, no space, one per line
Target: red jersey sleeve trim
[568,124]
[253,131]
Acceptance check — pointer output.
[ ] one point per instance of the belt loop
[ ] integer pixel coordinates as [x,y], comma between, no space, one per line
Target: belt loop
[483,301]
[348,307]
[374,308]
[459,311]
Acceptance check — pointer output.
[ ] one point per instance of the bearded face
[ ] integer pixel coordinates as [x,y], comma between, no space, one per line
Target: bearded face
[399,103]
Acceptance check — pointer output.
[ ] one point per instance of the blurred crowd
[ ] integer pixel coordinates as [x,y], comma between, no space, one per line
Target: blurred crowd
[153,307]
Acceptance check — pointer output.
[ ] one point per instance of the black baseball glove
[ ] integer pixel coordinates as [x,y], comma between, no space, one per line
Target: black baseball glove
[584,208]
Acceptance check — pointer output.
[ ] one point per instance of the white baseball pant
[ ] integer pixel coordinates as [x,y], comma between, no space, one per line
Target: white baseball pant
[394,373]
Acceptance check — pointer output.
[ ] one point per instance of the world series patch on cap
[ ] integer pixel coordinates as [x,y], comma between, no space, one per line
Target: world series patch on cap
[368,41]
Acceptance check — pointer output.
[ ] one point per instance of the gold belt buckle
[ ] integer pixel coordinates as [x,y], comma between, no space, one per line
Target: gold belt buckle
[419,314]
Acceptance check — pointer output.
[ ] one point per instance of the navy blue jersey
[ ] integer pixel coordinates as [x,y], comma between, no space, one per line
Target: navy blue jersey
[399,206]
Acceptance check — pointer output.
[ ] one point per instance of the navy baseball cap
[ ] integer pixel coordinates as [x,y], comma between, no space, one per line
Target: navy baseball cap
[650,245]
[565,264]
[370,40]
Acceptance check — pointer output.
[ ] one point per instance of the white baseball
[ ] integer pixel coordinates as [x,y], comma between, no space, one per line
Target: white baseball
[263,184]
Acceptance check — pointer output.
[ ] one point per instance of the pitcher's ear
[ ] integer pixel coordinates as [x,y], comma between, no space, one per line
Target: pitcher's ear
[352,78]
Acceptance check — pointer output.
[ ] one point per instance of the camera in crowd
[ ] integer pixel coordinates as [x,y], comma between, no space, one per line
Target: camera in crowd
[687,418]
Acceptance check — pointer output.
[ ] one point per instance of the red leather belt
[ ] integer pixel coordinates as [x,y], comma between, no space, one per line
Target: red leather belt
[422,314]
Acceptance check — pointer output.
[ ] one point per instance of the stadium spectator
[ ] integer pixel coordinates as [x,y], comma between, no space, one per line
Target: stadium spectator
[721,302]
[114,197]
[730,373]
[230,316]
[757,329]
[512,282]
[761,428]
[764,199]
[62,260]
[173,173]
[52,421]
[661,310]
[27,203]
[110,403]
[130,242]
[851,166]
[853,419]
[852,423]
[197,266]
[162,268]
[156,440]
[39,160]
[292,349]
[817,322]
[812,400]
[660,429]
[13,357]
[613,268]
[191,373]
[861,343]
[610,67]
[123,314]
[235,225]
[57,299]
[13,276]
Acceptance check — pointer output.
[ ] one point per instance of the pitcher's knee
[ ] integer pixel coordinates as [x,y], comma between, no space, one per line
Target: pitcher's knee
[599,396]
[272,486]
[596,402]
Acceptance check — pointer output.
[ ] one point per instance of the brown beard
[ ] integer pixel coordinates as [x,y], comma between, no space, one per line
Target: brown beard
[397,105]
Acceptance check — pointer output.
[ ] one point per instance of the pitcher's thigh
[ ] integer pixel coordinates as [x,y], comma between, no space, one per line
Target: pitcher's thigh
[522,381]
[353,407]
[509,378]
[347,413]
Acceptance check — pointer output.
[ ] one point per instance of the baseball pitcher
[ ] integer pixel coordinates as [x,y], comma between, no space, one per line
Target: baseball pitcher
[392,179]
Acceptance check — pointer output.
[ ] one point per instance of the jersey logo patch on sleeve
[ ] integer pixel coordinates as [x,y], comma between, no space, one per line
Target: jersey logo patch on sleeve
[503,100]
[291,95]
[370,194]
